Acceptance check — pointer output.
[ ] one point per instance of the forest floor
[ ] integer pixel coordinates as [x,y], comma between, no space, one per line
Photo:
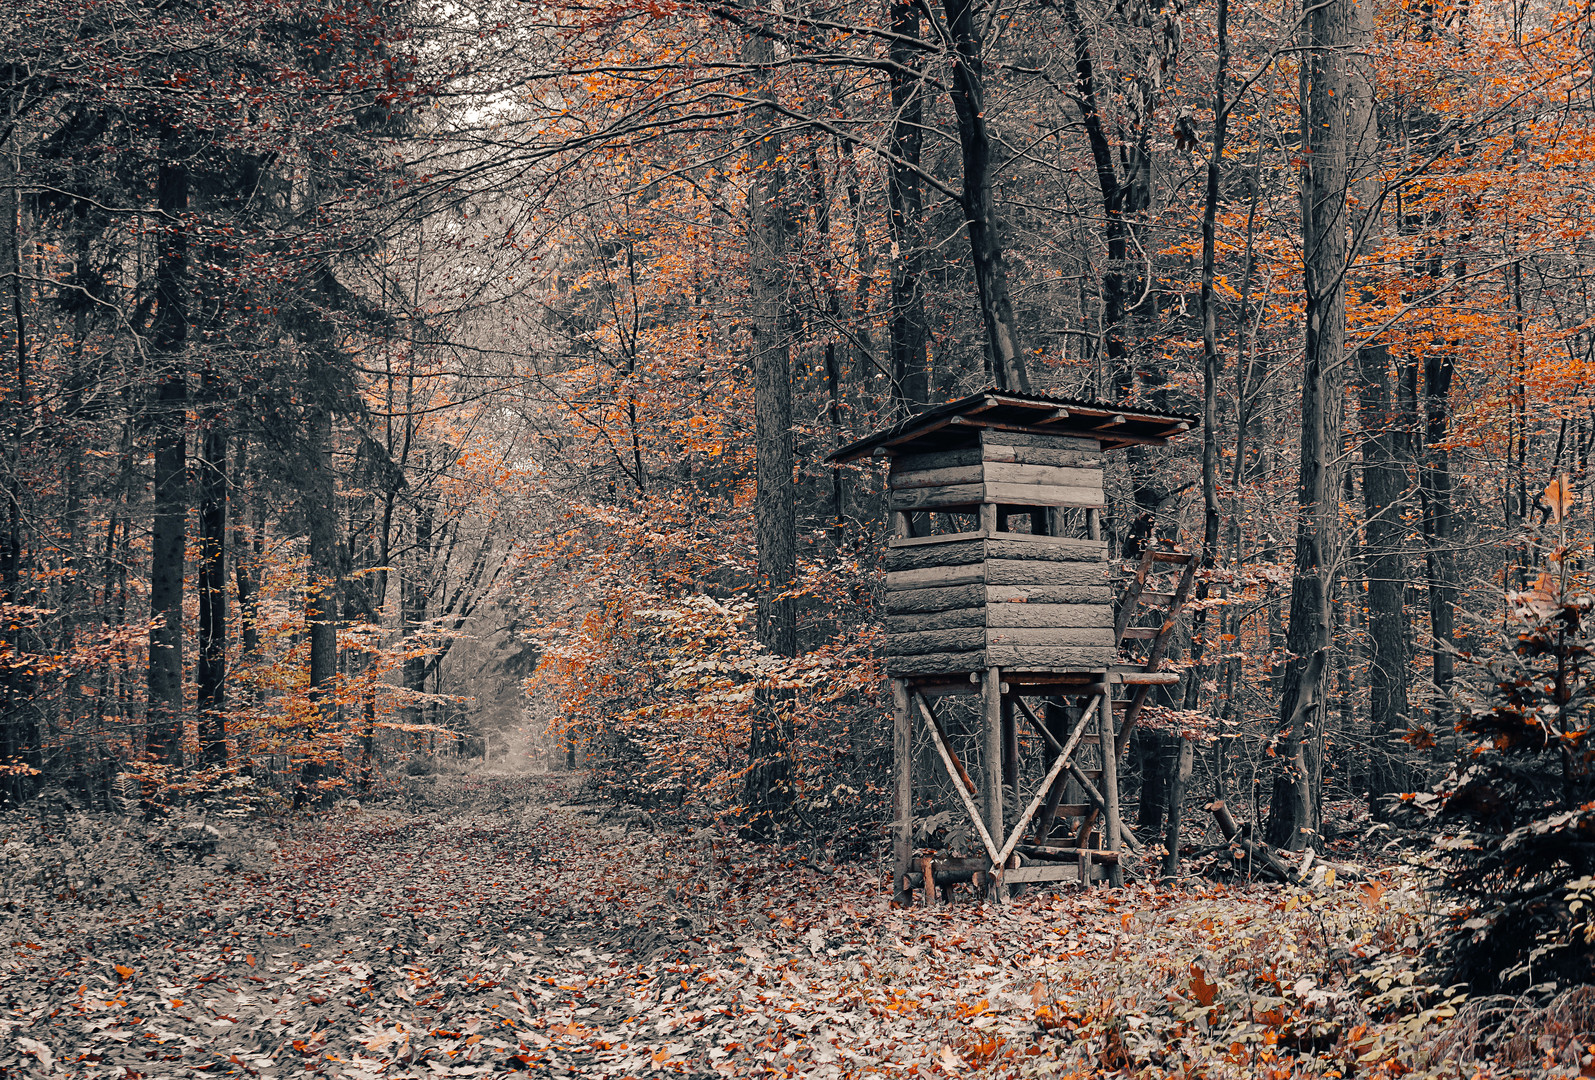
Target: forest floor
[490,924]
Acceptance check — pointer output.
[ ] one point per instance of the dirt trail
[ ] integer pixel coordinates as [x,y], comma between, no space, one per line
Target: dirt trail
[492,925]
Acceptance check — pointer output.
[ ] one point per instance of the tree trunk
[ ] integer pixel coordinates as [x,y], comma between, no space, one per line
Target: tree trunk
[20,750]
[249,547]
[321,604]
[767,793]
[1384,487]
[1212,371]
[908,328]
[1008,365]
[1115,196]
[1324,247]
[414,588]
[1434,478]
[169,421]
[213,494]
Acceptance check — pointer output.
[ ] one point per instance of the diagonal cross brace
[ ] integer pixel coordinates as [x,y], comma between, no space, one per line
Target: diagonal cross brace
[1064,753]
[953,773]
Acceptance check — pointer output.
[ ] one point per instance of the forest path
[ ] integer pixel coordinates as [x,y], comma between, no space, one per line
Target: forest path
[494,926]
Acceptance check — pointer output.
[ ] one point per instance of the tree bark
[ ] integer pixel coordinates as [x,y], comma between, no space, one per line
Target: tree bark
[767,793]
[907,326]
[21,753]
[1324,179]
[321,594]
[415,587]
[1007,357]
[249,547]
[1384,489]
[211,674]
[1434,478]
[169,421]
[1212,371]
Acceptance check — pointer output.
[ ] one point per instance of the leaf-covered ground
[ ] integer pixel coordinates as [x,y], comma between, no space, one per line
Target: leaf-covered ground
[494,926]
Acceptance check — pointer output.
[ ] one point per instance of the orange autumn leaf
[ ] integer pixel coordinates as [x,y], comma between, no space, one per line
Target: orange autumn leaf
[1559,496]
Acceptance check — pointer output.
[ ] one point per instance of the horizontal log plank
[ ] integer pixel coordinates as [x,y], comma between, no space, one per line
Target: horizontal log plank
[1064,549]
[941,459]
[936,663]
[997,472]
[998,437]
[909,601]
[1048,594]
[935,620]
[1100,636]
[935,538]
[1040,495]
[943,577]
[1040,455]
[1146,678]
[1093,615]
[1026,875]
[1048,851]
[1036,572]
[960,549]
[922,555]
[963,639]
[1051,658]
[933,497]
[902,480]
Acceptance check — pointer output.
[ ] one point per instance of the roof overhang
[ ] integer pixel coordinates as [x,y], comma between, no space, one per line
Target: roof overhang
[1113,426]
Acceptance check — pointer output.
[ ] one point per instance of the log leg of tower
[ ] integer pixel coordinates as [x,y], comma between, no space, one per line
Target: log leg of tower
[1010,745]
[902,789]
[1110,785]
[991,755]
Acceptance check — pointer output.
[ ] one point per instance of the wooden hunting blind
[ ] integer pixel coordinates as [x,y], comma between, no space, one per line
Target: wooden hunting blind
[997,585]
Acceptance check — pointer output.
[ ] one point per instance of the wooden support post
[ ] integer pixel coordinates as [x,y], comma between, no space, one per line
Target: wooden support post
[1110,783]
[1177,787]
[991,753]
[1093,523]
[1010,745]
[902,788]
[988,518]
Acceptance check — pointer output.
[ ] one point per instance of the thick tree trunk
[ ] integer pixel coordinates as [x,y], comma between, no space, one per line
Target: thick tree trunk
[767,793]
[1212,371]
[1119,199]
[249,547]
[1293,811]
[980,212]
[169,421]
[908,328]
[415,587]
[1434,478]
[322,595]
[20,745]
[1384,491]
[211,674]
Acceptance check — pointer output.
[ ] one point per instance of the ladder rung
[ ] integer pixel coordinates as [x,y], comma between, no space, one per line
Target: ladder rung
[1145,633]
[1150,597]
[1172,556]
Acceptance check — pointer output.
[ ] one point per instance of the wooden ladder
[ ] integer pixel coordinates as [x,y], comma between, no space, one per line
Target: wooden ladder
[1139,676]
[1155,561]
